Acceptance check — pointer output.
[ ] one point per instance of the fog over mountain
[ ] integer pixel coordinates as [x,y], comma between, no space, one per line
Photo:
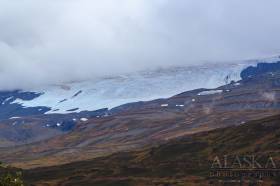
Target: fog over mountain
[53,41]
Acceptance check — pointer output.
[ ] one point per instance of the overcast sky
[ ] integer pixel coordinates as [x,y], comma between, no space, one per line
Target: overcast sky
[52,41]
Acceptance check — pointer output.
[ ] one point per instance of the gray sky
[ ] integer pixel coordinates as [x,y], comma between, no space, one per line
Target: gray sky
[52,41]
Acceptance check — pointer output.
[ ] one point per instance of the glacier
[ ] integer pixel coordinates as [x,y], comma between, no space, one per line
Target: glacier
[109,92]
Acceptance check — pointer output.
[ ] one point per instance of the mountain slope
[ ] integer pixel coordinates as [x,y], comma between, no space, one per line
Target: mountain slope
[134,125]
[184,161]
[49,111]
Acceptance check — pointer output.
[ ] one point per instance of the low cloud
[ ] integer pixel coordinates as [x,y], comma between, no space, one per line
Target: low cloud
[53,41]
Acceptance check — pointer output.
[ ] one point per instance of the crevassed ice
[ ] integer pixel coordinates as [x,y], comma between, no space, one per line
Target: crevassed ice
[142,86]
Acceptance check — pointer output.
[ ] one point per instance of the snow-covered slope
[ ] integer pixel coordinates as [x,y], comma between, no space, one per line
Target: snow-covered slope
[110,92]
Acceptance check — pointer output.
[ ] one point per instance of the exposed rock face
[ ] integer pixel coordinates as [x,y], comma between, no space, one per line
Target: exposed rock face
[261,68]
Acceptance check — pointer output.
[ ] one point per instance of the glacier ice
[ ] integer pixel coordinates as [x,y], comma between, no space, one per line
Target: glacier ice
[109,92]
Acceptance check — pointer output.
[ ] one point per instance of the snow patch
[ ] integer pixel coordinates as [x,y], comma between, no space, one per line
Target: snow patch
[15,117]
[84,119]
[210,92]
[180,105]
[6,100]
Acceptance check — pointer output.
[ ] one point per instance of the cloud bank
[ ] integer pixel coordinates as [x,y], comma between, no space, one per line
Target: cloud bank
[53,41]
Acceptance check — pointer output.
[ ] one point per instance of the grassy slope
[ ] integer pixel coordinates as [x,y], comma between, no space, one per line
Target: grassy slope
[185,161]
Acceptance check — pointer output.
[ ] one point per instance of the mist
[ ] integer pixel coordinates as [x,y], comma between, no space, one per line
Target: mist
[56,41]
